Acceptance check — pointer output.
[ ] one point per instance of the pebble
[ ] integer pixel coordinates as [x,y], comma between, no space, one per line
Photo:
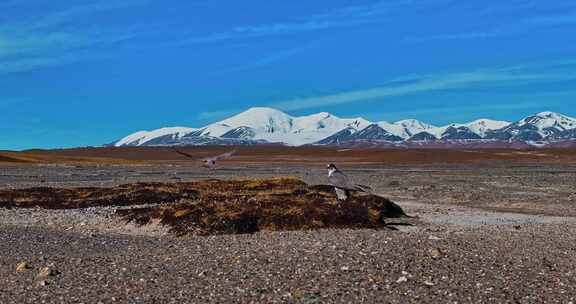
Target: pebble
[22,267]
[436,253]
[402,279]
[47,272]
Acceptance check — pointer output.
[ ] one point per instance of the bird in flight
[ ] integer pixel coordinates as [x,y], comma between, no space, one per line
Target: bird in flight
[209,162]
[342,183]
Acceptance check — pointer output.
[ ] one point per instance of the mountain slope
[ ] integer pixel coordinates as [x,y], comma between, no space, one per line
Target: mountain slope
[375,132]
[144,137]
[538,127]
[471,130]
[412,126]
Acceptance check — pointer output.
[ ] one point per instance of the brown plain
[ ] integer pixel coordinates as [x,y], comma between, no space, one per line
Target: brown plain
[285,155]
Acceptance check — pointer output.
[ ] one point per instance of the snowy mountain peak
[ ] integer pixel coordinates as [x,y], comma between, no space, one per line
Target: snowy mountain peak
[321,115]
[257,115]
[142,137]
[275,126]
[481,126]
[549,120]
[267,125]
[489,123]
[263,111]
[413,125]
[548,114]
[410,122]
[405,128]
[262,120]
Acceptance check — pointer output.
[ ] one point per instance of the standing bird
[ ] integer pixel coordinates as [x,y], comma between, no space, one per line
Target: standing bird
[209,162]
[342,184]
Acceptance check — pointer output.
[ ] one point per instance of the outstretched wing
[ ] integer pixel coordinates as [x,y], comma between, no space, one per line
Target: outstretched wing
[225,155]
[183,153]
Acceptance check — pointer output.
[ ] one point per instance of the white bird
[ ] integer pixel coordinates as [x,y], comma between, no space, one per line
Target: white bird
[342,184]
[209,162]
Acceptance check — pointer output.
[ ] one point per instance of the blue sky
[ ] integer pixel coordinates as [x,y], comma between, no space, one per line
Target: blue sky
[79,73]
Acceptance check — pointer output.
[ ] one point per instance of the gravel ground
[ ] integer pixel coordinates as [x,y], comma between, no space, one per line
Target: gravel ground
[463,249]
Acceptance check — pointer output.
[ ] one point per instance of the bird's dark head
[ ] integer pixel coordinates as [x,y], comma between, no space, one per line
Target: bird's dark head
[331,167]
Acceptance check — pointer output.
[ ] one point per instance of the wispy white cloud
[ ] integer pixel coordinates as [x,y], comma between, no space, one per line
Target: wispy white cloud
[345,17]
[386,8]
[429,83]
[77,11]
[457,36]
[273,30]
[41,41]
[370,10]
[267,60]
[553,20]
[33,52]
[30,42]
[33,63]
[48,39]
[282,28]
[521,26]
[14,3]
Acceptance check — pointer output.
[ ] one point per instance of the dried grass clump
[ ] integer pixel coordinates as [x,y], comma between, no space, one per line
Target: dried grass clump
[237,207]
[75,198]
[221,207]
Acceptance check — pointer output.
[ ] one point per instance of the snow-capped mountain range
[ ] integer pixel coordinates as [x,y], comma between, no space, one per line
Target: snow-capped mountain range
[270,126]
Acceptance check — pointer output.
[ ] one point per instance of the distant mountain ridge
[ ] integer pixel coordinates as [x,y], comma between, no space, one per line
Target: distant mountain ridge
[270,126]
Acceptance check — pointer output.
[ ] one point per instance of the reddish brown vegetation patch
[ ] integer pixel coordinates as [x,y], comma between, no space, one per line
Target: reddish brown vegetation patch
[48,157]
[9,159]
[221,207]
[73,198]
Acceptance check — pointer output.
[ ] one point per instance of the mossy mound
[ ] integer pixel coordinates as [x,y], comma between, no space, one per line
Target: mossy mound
[221,207]
[237,207]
